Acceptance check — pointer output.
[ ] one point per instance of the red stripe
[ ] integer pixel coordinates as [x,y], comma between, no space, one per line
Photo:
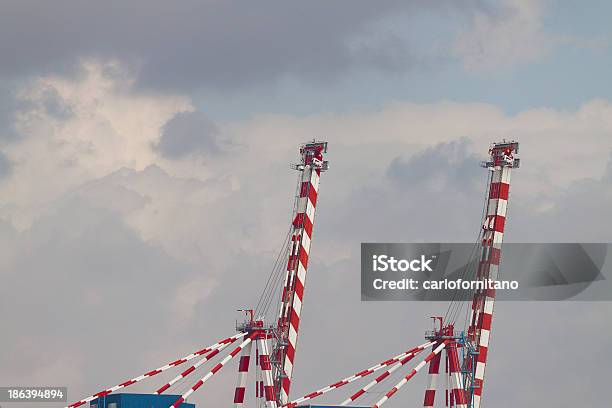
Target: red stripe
[482,354]
[182,360]
[164,388]
[127,383]
[459,396]
[364,373]
[295,321]
[178,402]
[495,256]
[357,395]
[430,396]
[478,385]
[312,196]
[244,363]
[265,362]
[500,221]
[434,366]
[239,395]
[303,257]
[269,393]
[499,191]
[308,226]
[290,352]
[383,376]
[486,321]
[304,188]
[299,220]
[299,289]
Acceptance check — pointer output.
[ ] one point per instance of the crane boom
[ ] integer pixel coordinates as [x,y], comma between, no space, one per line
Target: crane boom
[310,167]
[501,163]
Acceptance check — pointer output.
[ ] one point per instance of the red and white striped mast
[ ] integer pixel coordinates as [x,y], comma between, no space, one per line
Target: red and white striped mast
[467,375]
[502,161]
[310,167]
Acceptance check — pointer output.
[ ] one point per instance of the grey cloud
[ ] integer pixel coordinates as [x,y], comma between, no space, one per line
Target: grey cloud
[448,165]
[9,105]
[50,102]
[436,191]
[54,105]
[219,44]
[188,134]
[576,216]
[608,173]
[5,165]
[77,281]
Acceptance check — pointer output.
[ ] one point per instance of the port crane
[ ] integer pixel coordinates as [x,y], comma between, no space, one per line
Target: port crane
[270,331]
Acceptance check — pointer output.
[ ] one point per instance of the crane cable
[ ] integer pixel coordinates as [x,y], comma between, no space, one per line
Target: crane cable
[469,270]
[275,278]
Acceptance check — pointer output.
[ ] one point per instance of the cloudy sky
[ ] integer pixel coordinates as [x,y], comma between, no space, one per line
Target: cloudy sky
[145,186]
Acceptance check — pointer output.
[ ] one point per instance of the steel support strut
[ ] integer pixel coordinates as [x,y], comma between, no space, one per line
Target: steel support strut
[159,370]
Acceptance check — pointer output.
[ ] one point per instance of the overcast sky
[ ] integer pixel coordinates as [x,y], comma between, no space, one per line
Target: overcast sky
[145,186]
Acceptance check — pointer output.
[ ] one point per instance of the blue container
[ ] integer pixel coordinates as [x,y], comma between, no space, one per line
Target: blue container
[137,401]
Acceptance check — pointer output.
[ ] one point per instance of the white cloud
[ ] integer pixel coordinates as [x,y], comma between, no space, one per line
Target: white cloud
[105,126]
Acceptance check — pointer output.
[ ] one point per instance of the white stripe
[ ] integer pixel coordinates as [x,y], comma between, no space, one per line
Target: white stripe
[310,211]
[301,272]
[314,180]
[288,367]
[498,237]
[501,207]
[284,397]
[505,175]
[480,368]
[297,306]
[292,335]
[306,242]
[497,175]
[488,305]
[484,338]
